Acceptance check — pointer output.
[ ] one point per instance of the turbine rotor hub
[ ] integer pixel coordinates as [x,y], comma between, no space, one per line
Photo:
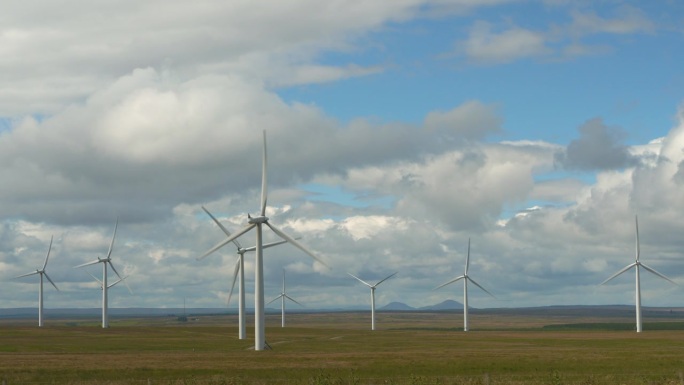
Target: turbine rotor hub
[259,219]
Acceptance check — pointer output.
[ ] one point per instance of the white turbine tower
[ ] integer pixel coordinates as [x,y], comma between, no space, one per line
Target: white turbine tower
[42,273]
[239,268]
[258,222]
[372,288]
[637,265]
[107,261]
[282,298]
[465,277]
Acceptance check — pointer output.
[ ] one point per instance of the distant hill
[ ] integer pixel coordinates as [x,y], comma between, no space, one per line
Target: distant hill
[397,306]
[445,305]
[448,305]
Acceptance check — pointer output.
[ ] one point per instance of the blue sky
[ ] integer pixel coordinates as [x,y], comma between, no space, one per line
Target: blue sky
[396,132]
[545,97]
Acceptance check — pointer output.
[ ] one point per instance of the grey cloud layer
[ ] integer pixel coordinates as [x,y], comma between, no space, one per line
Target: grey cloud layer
[489,43]
[442,199]
[598,148]
[123,123]
[78,47]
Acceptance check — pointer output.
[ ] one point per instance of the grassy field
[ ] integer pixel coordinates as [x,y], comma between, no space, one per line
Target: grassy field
[338,348]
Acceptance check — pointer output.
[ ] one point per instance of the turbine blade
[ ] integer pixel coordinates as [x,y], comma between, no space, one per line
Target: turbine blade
[111,245]
[48,278]
[266,246]
[449,282]
[361,280]
[48,254]
[657,273]
[27,274]
[220,225]
[295,243]
[87,264]
[274,299]
[114,284]
[227,240]
[235,274]
[120,280]
[478,285]
[283,281]
[126,284]
[467,258]
[390,276]
[95,278]
[619,272]
[291,299]
[263,179]
[114,269]
[638,250]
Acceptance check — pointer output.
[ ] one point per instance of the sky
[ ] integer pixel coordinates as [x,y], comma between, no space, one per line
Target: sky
[396,131]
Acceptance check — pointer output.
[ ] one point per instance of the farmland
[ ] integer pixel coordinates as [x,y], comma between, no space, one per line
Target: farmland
[338,348]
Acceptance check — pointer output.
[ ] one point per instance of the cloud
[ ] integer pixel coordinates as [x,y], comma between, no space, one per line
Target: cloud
[626,20]
[72,54]
[489,43]
[144,114]
[597,148]
[442,200]
[463,188]
[559,190]
[471,120]
[486,46]
[151,139]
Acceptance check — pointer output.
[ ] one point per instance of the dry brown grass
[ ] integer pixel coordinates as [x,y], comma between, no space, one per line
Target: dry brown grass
[338,348]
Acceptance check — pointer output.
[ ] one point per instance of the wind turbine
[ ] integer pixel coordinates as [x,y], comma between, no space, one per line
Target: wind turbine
[258,222]
[372,287]
[637,264]
[282,297]
[239,268]
[42,273]
[465,277]
[106,261]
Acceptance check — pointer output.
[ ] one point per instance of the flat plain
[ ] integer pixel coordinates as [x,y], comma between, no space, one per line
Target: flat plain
[338,348]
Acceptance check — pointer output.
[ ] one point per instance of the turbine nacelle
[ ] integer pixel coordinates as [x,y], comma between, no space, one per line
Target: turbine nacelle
[257,220]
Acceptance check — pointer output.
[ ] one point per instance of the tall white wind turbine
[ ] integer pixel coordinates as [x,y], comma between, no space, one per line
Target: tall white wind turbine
[42,273]
[239,273]
[372,288]
[257,223]
[282,298]
[637,265]
[107,261]
[465,277]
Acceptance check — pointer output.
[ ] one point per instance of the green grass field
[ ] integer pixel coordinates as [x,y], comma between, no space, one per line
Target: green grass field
[338,348]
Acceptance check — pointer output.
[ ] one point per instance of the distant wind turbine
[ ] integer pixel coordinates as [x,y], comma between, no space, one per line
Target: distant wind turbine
[637,265]
[258,222]
[239,268]
[372,288]
[465,277]
[107,261]
[282,298]
[42,273]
